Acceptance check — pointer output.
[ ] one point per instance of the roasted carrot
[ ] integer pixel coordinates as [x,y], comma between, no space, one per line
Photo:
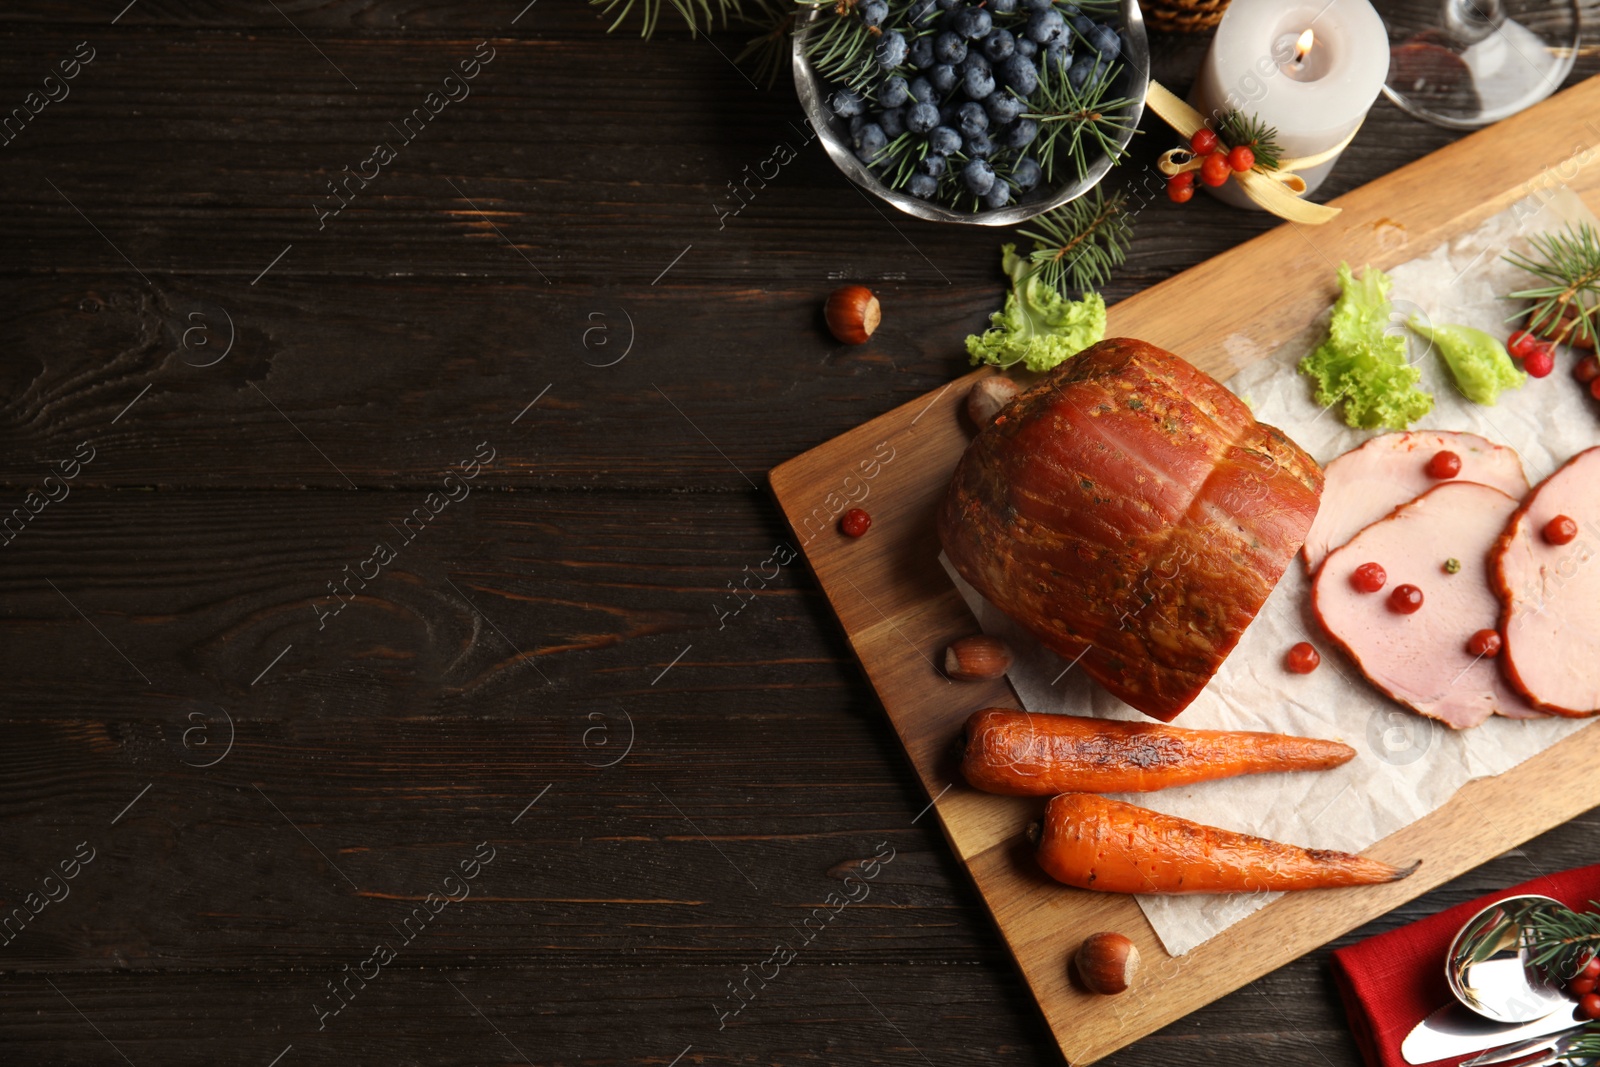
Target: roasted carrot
[1092,842]
[1021,754]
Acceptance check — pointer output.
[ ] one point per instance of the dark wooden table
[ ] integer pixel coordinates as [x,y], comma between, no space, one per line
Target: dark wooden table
[366,544]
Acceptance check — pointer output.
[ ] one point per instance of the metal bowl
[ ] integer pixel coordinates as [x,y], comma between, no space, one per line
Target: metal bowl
[834,133]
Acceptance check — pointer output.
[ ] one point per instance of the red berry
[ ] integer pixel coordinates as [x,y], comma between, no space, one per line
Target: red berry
[1180,191]
[855,522]
[1368,578]
[1215,170]
[1539,362]
[1405,599]
[1581,987]
[1484,643]
[1589,1004]
[1302,658]
[1444,465]
[1594,388]
[1587,370]
[1591,969]
[1560,530]
[1521,343]
[1204,142]
[1241,158]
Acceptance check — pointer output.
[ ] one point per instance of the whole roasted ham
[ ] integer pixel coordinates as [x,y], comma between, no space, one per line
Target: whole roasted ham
[1132,515]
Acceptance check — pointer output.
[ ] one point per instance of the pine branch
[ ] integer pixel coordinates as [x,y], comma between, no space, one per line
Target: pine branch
[1570,262]
[1077,246]
[1076,121]
[1236,128]
[698,15]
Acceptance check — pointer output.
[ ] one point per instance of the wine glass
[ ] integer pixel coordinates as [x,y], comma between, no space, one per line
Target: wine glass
[1467,63]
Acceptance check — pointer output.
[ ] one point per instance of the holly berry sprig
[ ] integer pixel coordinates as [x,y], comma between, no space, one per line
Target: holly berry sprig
[1244,144]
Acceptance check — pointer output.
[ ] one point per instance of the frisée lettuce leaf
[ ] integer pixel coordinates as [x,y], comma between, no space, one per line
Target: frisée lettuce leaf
[1038,327]
[1362,366]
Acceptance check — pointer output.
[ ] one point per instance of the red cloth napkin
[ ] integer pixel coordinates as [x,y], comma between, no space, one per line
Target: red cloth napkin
[1390,982]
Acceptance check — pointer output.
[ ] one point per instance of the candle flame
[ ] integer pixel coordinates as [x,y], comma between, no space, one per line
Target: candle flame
[1302,47]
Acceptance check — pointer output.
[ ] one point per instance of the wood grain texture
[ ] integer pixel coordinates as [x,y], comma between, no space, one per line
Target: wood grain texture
[601,542]
[900,610]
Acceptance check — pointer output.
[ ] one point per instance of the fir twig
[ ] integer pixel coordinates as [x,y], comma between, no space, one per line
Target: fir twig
[838,45]
[699,15]
[766,52]
[1077,245]
[1236,128]
[1570,262]
[1076,121]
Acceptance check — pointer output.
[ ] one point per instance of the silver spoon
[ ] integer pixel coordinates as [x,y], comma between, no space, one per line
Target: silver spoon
[1488,970]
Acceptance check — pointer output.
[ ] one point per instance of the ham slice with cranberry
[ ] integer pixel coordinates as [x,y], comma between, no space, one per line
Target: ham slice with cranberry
[1366,483]
[1132,515]
[1421,658]
[1548,577]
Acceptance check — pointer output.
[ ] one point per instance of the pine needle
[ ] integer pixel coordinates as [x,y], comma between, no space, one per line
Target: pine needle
[1077,245]
[1570,262]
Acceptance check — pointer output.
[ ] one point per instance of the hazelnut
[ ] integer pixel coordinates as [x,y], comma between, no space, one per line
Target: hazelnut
[977,658]
[988,397]
[853,313]
[1107,963]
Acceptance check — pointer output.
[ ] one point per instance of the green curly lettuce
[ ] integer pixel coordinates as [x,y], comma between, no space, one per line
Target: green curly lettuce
[1361,365]
[1038,327]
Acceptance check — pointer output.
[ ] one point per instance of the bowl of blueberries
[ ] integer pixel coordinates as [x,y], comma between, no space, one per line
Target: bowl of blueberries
[986,112]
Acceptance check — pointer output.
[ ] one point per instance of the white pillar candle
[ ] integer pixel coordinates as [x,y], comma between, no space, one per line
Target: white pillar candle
[1314,98]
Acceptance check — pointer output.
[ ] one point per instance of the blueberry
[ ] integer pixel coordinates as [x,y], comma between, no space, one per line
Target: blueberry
[1046,26]
[922,117]
[1037,5]
[1083,68]
[1107,40]
[922,12]
[1020,74]
[1057,54]
[933,165]
[944,77]
[998,196]
[869,141]
[922,186]
[1083,24]
[1003,108]
[944,140]
[999,44]
[978,176]
[1025,47]
[1071,11]
[893,121]
[972,118]
[892,50]
[978,83]
[1022,134]
[845,103]
[893,92]
[1003,7]
[922,91]
[949,5]
[973,23]
[920,54]
[873,12]
[856,122]
[980,146]
[949,47]
[975,60]
[1025,175]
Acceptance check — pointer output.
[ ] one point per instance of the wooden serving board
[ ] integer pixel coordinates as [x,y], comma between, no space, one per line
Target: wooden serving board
[900,610]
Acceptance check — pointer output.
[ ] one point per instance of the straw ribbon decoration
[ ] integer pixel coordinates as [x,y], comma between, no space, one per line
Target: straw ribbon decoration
[1278,190]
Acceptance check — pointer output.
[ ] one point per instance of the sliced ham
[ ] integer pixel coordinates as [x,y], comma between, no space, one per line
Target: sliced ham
[1366,483]
[1551,593]
[1421,659]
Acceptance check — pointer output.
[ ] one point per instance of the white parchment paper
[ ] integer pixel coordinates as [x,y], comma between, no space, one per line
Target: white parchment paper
[1407,765]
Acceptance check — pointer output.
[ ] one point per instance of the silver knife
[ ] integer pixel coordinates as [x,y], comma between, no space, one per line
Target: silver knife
[1557,1044]
[1454,1031]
